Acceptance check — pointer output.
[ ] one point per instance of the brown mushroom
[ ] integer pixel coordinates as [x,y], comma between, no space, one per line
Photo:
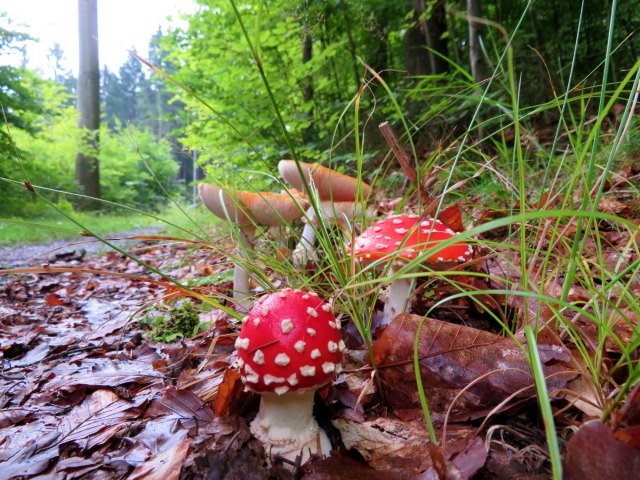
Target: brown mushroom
[248,210]
[337,195]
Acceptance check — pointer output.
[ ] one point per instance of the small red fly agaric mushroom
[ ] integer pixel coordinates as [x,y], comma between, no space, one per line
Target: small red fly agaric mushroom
[289,346]
[401,239]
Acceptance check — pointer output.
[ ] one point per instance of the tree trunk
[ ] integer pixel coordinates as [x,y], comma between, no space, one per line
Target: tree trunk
[307,88]
[436,27]
[87,165]
[478,66]
[416,56]
[352,43]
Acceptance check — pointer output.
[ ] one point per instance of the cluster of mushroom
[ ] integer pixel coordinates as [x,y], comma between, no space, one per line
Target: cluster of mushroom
[338,203]
[290,343]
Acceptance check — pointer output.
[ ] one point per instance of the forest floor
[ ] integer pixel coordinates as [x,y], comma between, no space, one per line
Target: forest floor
[86,393]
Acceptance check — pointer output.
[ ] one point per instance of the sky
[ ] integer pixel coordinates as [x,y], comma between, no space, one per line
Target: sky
[122,24]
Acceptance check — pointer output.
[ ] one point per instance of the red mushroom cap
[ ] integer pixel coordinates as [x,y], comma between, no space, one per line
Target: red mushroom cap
[384,238]
[290,341]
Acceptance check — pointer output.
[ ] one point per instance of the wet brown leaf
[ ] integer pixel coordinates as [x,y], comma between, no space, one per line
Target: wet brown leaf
[101,372]
[229,392]
[164,466]
[97,419]
[345,468]
[182,406]
[594,454]
[394,445]
[480,368]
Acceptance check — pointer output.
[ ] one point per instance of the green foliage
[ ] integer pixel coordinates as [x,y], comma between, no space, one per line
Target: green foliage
[215,63]
[182,321]
[136,168]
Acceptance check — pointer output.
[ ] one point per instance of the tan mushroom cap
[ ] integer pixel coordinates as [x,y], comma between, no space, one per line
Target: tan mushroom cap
[331,185]
[246,208]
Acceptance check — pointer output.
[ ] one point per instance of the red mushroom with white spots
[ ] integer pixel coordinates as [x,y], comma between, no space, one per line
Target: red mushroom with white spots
[401,239]
[289,346]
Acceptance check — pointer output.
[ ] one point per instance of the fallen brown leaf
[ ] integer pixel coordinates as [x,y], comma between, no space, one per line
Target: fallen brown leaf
[476,368]
[594,454]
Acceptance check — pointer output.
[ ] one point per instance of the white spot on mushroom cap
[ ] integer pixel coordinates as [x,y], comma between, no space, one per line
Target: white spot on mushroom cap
[269,379]
[312,311]
[315,353]
[341,345]
[281,390]
[240,362]
[282,359]
[332,346]
[242,343]
[397,221]
[401,231]
[328,367]
[286,325]
[258,357]
[251,376]
[381,246]
[299,346]
[305,296]
[311,331]
[307,370]
[292,379]
[326,307]
[265,311]
[256,321]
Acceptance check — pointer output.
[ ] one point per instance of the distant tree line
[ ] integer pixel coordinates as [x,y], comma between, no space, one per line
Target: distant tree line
[435,57]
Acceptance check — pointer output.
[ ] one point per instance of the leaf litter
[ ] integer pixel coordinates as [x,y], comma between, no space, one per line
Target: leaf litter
[85,393]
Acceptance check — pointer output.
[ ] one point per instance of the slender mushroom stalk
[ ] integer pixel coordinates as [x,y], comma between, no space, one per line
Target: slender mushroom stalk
[339,213]
[289,346]
[399,238]
[248,210]
[337,194]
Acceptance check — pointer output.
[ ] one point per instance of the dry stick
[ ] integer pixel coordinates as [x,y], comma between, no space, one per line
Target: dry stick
[403,159]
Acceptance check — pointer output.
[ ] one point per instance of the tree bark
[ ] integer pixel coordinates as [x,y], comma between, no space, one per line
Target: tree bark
[436,26]
[425,45]
[87,164]
[478,66]
[416,56]
[307,88]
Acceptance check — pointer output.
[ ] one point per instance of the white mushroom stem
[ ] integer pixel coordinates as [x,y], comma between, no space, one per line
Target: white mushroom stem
[338,213]
[286,426]
[308,237]
[397,299]
[240,274]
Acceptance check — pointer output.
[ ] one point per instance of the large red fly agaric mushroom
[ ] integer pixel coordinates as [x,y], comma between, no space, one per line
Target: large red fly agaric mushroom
[289,346]
[401,239]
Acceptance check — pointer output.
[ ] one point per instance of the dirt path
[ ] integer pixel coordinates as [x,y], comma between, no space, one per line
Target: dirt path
[70,249]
